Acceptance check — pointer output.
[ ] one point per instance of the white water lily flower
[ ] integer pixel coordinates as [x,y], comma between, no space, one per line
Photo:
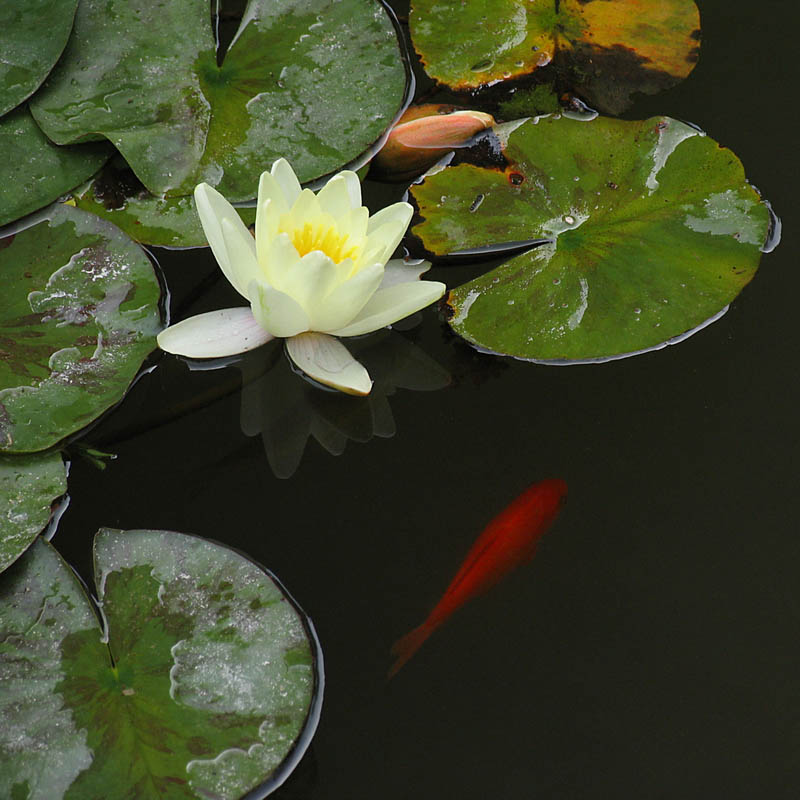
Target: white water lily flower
[317,268]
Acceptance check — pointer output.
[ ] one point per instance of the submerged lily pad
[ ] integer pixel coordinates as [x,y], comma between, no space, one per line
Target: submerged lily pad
[315,81]
[603,49]
[651,229]
[28,486]
[33,171]
[33,34]
[80,313]
[116,194]
[203,683]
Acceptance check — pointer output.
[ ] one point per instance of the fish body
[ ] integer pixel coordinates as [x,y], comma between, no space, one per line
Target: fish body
[511,538]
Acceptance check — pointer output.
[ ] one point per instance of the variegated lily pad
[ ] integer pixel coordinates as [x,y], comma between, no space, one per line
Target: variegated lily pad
[314,81]
[80,313]
[649,228]
[29,484]
[603,49]
[204,683]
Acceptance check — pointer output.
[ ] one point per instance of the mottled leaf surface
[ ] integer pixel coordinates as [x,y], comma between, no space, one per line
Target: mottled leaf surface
[80,313]
[118,196]
[200,688]
[32,35]
[603,49]
[28,486]
[651,230]
[33,171]
[316,82]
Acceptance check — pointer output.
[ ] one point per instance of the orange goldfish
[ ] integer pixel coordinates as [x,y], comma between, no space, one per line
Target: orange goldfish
[508,540]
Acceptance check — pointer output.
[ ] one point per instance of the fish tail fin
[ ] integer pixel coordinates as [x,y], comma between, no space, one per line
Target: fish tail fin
[405,647]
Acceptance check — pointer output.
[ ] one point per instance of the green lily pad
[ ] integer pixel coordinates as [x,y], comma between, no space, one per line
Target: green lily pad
[603,49]
[315,81]
[28,486]
[651,229]
[33,171]
[116,194]
[201,684]
[80,313]
[33,34]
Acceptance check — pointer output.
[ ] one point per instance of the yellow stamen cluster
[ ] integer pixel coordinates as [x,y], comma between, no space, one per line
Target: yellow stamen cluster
[328,239]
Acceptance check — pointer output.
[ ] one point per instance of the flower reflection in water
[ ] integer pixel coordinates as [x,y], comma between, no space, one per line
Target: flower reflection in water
[286,409]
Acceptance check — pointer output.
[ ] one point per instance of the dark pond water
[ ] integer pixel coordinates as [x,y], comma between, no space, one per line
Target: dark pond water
[652,647]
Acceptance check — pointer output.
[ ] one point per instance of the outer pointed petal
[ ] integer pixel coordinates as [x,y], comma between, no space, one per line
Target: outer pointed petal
[386,238]
[270,189]
[390,305]
[353,187]
[214,210]
[287,180]
[276,311]
[214,335]
[336,197]
[242,262]
[401,270]
[328,361]
[397,212]
[347,299]
[208,202]
[356,222]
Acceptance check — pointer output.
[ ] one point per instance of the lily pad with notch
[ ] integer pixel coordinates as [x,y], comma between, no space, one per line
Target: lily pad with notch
[605,50]
[204,679]
[315,82]
[116,194]
[80,315]
[649,228]
[29,486]
[34,172]
[33,34]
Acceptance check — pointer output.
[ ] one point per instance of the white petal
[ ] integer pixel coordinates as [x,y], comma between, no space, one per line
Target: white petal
[270,189]
[242,261]
[276,311]
[390,305]
[278,260]
[397,212]
[311,280]
[383,241]
[305,208]
[400,270]
[336,198]
[328,361]
[356,223]
[347,299]
[213,209]
[268,214]
[353,187]
[215,334]
[287,180]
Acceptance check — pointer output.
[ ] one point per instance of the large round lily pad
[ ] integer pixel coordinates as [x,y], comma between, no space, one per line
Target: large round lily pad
[116,194]
[651,229]
[33,171]
[32,35]
[203,683]
[28,486]
[314,81]
[603,49]
[80,313]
